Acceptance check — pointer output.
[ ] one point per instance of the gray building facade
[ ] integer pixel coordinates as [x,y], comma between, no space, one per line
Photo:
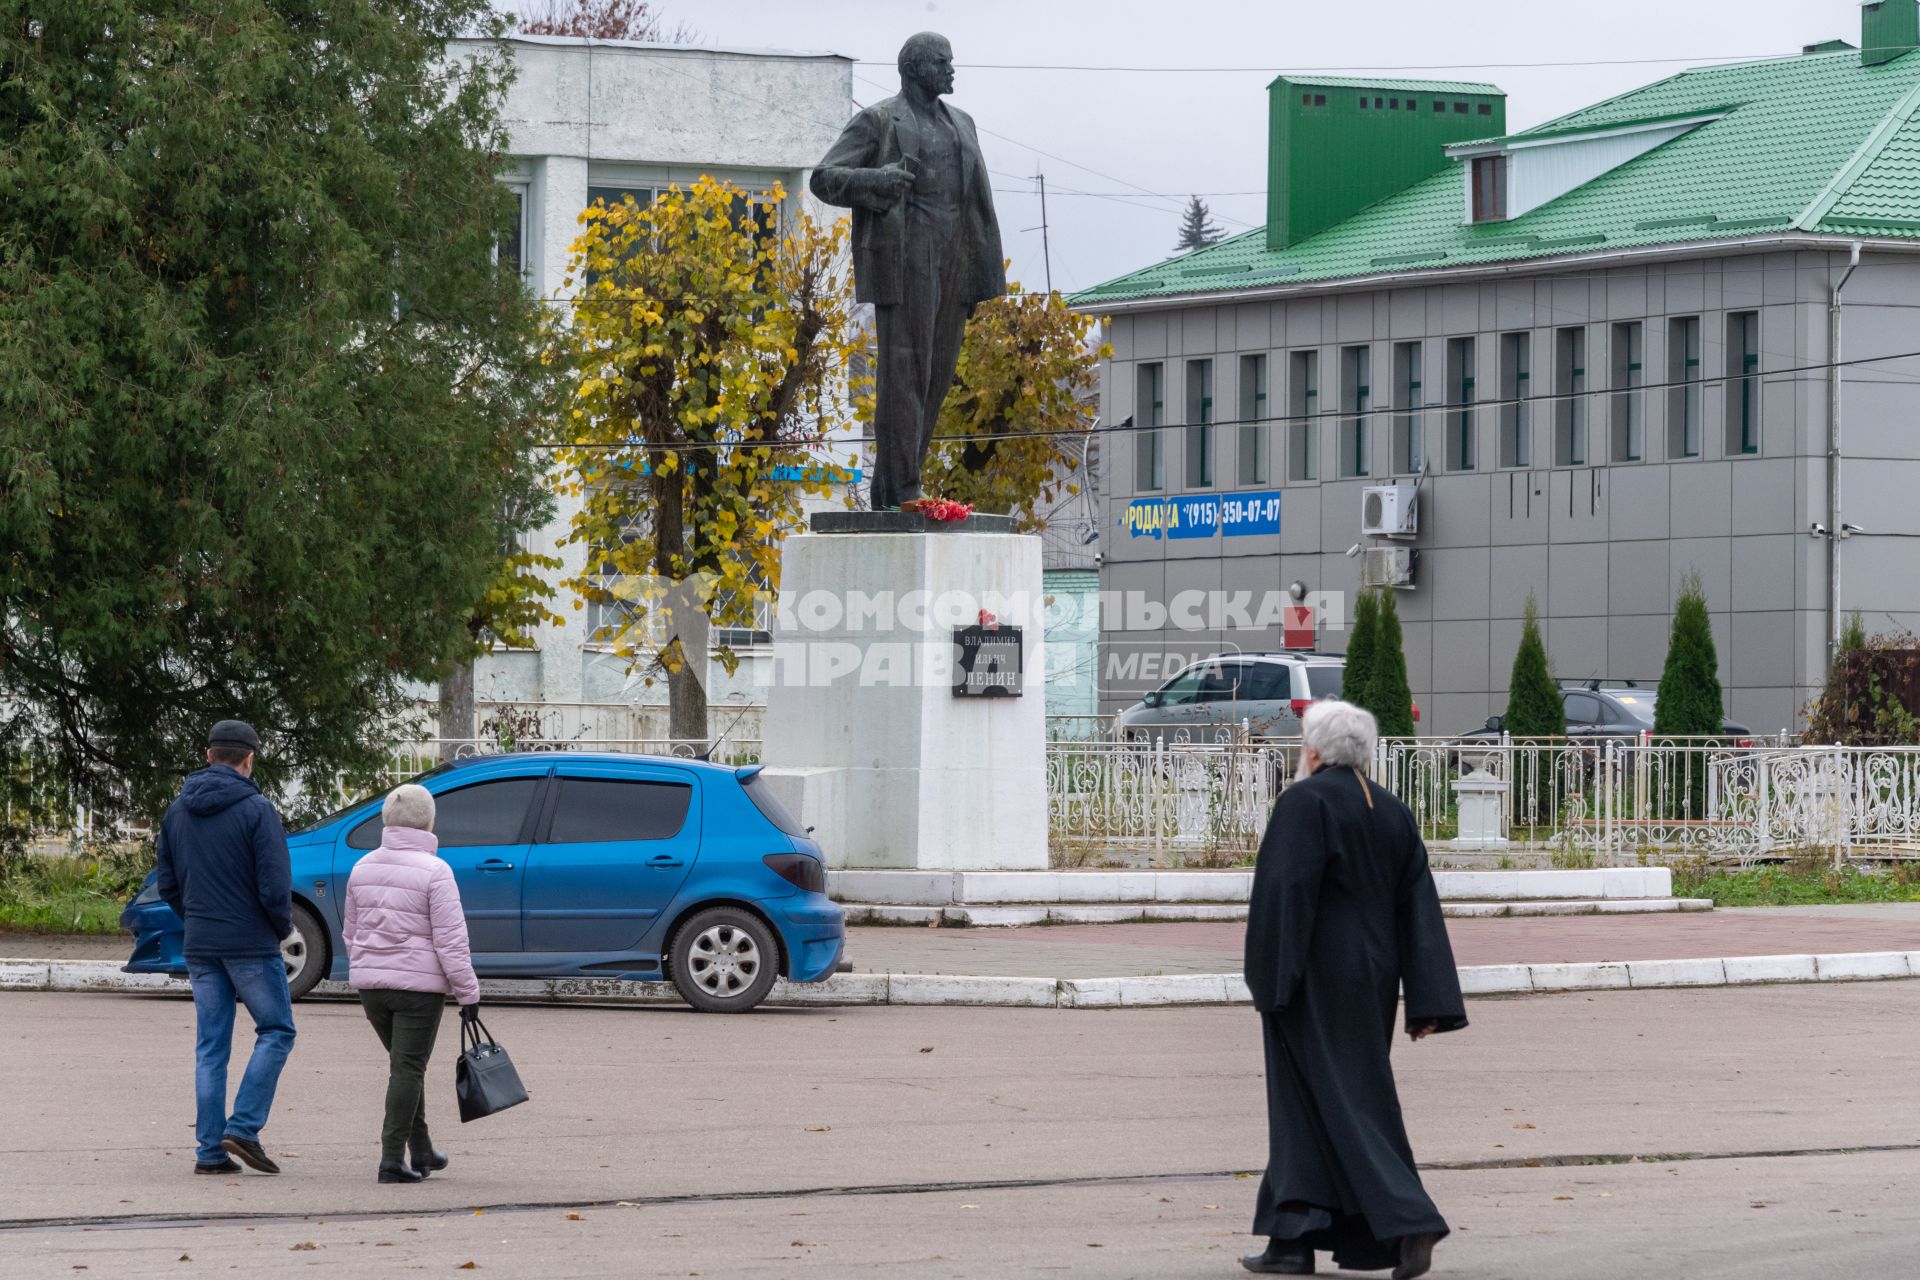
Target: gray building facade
[1588,433]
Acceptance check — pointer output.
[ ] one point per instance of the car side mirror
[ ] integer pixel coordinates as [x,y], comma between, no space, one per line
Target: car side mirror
[1494,723]
[1150,699]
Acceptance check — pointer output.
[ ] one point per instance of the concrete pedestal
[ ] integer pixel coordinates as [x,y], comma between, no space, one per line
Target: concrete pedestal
[1481,796]
[865,737]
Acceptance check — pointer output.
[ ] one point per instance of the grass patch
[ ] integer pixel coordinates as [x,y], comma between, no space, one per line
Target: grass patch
[84,893]
[1798,885]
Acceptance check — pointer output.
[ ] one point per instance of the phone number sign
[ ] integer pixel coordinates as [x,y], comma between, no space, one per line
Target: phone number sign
[1232,515]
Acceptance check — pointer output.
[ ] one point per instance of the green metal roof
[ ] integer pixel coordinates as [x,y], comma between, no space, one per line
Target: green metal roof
[1815,143]
[1390,85]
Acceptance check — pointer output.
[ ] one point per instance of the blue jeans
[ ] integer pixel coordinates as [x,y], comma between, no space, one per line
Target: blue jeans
[260,983]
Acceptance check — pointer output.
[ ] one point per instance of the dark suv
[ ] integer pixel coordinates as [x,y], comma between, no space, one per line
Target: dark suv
[1611,709]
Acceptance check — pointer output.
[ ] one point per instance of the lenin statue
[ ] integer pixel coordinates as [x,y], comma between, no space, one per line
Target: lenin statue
[926,250]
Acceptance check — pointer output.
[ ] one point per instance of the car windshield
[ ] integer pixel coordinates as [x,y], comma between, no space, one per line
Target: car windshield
[351,805]
[1324,681]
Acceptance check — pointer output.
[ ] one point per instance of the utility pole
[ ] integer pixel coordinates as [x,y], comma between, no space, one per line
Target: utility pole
[1046,253]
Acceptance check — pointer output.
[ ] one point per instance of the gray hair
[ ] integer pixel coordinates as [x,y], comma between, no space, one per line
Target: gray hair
[408,805]
[921,48]
[1340,733]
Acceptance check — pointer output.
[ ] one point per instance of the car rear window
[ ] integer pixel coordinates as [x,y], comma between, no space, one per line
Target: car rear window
[592,810]
[1324,681]
[770,807]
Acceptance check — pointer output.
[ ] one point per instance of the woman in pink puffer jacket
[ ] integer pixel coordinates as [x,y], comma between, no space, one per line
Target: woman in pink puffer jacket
[407,951]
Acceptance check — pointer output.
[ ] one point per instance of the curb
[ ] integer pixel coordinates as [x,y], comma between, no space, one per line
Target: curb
[1014,915]
[930,989]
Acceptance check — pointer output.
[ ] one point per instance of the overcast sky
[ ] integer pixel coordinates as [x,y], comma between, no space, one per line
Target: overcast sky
[1125,133]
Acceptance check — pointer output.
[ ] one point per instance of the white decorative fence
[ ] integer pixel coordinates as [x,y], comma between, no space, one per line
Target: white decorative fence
[1608,801]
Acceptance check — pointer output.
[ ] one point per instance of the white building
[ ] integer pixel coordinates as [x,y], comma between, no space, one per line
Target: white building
[594,119]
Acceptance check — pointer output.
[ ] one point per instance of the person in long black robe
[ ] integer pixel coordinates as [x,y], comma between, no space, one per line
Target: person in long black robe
[1344,915]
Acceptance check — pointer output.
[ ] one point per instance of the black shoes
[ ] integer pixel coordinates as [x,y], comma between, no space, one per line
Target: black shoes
[1416,1256]
[215,1170]
[1281,1260]
[392,1172]
[432,1162]
[250,1153]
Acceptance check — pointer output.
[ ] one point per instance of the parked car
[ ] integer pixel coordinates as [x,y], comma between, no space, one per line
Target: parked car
[1620,709]
[581,866]
[1208,700]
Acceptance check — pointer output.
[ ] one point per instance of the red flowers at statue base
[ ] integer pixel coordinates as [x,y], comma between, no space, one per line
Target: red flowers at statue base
[945,510]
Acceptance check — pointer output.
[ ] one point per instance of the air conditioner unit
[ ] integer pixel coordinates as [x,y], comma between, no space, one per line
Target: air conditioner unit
[1388,567]
[1389,511]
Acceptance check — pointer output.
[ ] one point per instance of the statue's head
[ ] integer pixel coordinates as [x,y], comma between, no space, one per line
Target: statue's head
[926,62]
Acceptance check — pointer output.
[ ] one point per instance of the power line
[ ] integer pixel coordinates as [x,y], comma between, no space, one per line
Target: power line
[1130,426]
[1271,70]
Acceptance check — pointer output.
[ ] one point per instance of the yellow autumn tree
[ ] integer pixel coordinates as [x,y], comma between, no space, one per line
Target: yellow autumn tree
[1014,427]
[706,358]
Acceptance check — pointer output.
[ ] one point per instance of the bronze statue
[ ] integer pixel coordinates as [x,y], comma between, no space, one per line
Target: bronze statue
[926,250]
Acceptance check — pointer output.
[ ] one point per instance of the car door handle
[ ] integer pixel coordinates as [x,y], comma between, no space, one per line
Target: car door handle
[663,860]
[493,864]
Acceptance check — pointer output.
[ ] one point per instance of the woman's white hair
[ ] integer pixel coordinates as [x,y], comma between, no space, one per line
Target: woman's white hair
[408,805]
[1340,733]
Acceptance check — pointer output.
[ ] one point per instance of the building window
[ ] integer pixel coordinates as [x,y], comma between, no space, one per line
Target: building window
[1303,408]
[1683,392]
[1150,413]
[1462,453]
[1253,420]
[1570,386]
[1486,108]
[1356,402]
[511,249]
[1516,372]
[1743,382]
[1409,423]
[1439,108]
[1459,108]
[1199,424]
[1629,412]
[1490,189]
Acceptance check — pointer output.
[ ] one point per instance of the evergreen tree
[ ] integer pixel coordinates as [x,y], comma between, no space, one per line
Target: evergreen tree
[266,398]
[1689,702]
[1360,645]
[1534,706]
[1388,695]
[1197,228]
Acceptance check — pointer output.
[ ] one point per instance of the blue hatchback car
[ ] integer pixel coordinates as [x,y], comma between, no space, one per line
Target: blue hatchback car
[581,866]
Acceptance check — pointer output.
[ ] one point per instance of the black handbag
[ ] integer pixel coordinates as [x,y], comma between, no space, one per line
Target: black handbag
[484,1079]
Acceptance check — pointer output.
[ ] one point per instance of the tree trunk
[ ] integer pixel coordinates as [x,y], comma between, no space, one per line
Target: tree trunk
[687,698]
[456,708]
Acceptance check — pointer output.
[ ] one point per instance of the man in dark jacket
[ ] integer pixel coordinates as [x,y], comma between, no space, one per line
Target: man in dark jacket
[1344,916]
[223,868]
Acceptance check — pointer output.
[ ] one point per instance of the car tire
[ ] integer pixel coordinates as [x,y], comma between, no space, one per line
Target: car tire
[723,960]
[305,952]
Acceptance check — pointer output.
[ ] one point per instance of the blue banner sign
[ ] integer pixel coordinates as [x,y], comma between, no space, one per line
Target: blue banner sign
[1245,514]
[1203,515]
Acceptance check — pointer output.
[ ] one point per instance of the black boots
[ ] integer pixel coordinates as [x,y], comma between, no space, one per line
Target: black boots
[251,1153]
[1281,1260]
[392,1171]
[432,1162]
[1416,1256]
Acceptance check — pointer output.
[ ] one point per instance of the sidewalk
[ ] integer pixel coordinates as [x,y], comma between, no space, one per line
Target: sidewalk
[1133,950]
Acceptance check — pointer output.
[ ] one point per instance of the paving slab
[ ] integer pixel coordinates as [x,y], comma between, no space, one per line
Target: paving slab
[979,1142]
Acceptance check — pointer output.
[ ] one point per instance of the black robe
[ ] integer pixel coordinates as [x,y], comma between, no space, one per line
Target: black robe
[1344,915]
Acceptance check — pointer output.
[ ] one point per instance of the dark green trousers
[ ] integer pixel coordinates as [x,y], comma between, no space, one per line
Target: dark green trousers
[407,1023]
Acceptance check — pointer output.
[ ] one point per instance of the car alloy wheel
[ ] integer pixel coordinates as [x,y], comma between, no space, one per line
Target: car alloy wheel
[724,960]
[304,953]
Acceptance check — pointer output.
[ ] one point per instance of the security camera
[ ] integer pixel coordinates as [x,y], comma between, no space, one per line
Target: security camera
[1817,530]
[1848,530]
[1353,551]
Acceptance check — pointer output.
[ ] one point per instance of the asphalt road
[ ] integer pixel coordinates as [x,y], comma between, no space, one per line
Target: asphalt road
[979,1142]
